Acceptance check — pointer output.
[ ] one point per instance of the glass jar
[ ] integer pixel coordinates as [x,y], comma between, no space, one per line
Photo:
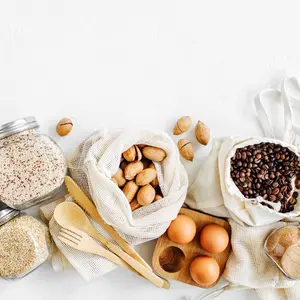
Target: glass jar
[32,166]
[24,243]
[282,246]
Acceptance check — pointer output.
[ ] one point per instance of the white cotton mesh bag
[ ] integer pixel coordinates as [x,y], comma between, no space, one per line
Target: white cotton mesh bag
[97,159]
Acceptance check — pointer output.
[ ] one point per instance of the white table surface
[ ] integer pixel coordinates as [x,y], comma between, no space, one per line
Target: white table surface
[138,64]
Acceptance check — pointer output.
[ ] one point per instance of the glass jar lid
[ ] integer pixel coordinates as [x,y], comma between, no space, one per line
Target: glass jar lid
[7,213]
[18,126]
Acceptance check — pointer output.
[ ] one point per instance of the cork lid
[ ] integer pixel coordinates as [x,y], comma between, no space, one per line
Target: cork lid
[18,126]
[7,213]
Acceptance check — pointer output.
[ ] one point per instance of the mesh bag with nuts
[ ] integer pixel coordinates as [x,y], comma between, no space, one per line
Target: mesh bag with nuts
[135,179]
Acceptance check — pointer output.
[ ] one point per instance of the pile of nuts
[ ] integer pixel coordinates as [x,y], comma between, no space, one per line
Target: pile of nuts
[267,170]
[137,176]
[202,134]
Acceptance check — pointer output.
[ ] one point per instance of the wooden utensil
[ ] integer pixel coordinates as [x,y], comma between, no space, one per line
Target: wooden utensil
[173,260]
[69,215]
[81,241]
[88,206]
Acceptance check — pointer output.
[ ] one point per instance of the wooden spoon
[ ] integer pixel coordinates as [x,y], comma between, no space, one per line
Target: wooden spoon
[69,214]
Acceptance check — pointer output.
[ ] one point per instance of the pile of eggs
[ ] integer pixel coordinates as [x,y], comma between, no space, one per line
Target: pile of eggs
[214,239]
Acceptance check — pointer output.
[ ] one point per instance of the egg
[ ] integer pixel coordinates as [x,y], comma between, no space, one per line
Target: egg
[182,230]
[214,238]
[204,270]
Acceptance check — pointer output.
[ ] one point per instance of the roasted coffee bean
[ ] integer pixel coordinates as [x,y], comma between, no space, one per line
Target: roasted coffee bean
[295,195]
[267,170]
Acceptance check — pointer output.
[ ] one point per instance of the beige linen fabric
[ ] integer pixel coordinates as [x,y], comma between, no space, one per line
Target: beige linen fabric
[249,266]
[89,266]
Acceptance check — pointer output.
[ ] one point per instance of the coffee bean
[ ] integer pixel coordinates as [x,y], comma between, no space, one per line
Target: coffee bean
[275,191]
[267,170]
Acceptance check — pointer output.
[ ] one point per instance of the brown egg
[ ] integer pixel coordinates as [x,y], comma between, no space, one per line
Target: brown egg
[182,230]
[214,238]
[204,270]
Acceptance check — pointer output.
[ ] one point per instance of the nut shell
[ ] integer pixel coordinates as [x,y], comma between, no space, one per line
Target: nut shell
[130,189]
[132,169]
[186,150]
[64,127]
[182,125]
[130,154]
[202,133]
[157,197]
[134,205]
[145,177]
[139,155]
[154,182]
[119,178]
[154,153]
[146,195]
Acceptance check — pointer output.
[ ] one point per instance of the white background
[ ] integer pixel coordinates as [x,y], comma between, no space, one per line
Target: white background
[138,64]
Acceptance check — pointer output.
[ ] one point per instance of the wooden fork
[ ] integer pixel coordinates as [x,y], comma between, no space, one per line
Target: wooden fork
[82,241]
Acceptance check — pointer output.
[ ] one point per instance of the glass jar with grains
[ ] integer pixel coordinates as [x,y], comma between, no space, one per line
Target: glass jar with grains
[24,243]
[32,166]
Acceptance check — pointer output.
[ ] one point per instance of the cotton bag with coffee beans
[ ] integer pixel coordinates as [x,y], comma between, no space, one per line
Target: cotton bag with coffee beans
[97,159]
[252,180]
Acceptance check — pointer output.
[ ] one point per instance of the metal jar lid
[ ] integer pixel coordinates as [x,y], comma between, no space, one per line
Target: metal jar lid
[18,126]
[7,213]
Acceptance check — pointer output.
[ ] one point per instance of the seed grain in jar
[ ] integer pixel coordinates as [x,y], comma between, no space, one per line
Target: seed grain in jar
[25,245]
[32,167]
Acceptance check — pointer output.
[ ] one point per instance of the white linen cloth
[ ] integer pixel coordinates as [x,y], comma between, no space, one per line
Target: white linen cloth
[248,266]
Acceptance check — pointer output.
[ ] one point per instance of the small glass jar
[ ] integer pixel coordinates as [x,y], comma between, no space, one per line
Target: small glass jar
[32,166]
[282,246]
[25,243]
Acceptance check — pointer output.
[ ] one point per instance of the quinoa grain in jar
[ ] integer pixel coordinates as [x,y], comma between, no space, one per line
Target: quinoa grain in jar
[32,166]
[24,243]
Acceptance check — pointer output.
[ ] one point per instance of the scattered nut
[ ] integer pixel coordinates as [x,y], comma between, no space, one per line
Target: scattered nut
[130,189]
[132,169]
[130,154]
[134,205]
[186,149]
[182,125]
[154,153]
[119,177]
[202,133]
[146,195]
[145,177]
[64,127]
